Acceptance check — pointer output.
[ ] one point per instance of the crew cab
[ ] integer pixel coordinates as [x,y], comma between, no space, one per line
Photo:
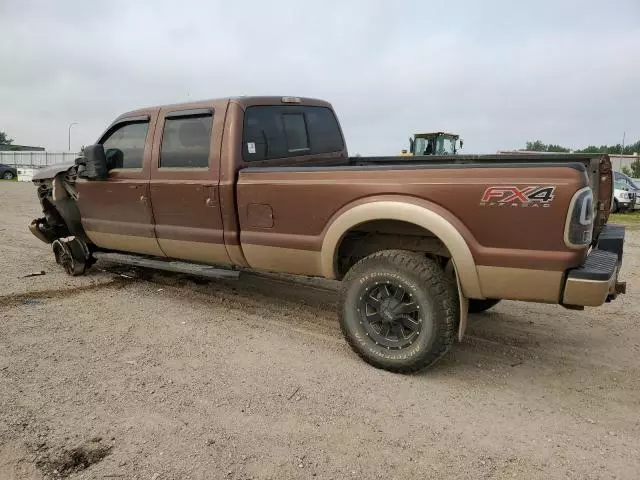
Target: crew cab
[266,183]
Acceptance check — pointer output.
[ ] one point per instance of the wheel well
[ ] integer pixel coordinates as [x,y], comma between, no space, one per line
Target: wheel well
[61,213]
[374,236]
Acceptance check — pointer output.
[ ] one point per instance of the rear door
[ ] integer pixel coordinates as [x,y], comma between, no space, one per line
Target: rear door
[116,212]
[185,174]
[278,220]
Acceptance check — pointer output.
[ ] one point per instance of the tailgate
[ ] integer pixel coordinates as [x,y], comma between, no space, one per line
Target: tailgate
[601,180]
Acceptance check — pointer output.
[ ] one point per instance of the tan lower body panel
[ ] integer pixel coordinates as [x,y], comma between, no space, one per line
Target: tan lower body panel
[126,243]
[284,260]
[236,255]
[214,253]
[520,284]
[587,293]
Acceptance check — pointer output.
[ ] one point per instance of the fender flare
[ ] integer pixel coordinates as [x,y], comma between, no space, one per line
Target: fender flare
[409,212]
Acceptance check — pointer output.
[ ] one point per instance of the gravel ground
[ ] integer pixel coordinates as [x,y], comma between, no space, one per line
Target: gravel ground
[161,377]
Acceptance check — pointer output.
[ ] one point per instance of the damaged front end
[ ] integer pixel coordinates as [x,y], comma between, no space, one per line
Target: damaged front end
[61,226]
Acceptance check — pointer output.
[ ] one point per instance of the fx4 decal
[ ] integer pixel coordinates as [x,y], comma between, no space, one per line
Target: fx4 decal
[511,196]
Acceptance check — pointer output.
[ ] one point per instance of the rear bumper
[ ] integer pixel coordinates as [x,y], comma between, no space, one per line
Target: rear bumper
[596,280]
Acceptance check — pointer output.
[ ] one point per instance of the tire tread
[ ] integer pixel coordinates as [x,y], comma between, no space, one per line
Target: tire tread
[440,289]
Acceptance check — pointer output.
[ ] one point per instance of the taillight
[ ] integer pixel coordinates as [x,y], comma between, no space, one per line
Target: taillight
[578,230]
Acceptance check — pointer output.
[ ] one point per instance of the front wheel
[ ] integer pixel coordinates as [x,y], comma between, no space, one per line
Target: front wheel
[70,255]
[398,311]
[7,175]
[615,206]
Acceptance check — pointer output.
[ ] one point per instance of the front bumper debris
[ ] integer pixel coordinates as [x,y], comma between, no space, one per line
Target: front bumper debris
[596,280]
[39,229]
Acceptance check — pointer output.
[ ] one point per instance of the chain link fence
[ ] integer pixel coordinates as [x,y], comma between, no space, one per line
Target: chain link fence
[36,159]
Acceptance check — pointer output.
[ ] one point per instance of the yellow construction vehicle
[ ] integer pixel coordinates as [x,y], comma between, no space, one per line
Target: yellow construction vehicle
[434,143]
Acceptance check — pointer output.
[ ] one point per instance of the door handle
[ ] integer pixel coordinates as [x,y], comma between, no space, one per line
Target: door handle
[212,198]
[143,199]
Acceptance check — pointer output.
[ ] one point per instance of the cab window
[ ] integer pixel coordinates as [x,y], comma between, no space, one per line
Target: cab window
[278,131]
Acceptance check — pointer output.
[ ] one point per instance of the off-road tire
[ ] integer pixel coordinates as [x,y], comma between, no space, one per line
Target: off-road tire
[427,285]
[479,306]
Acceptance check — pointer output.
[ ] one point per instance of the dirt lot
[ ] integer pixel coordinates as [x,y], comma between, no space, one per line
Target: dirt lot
[164,378]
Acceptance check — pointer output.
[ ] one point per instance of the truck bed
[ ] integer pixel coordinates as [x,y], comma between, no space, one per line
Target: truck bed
[515,158]
[330,184]
[590,161]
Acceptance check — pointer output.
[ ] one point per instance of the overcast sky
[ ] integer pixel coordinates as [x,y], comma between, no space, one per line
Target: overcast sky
[497,72]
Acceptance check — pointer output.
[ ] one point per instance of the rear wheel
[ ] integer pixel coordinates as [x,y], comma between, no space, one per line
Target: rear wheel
[8,175]
[479,306]
[398,311]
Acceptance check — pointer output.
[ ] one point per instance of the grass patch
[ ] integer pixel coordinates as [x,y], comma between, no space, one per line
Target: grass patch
[631,219]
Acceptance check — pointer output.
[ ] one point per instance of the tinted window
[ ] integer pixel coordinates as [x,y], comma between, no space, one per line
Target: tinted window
[323,130]
[295,131]
[288,131]
[185,142]
[124,147]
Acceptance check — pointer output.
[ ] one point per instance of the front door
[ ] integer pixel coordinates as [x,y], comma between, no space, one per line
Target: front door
[185,174]
[116,212]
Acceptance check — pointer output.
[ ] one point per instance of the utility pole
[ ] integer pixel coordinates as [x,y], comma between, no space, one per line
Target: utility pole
[624,135]
[71,125]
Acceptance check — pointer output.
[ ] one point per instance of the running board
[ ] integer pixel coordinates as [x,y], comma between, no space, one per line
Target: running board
[174,266]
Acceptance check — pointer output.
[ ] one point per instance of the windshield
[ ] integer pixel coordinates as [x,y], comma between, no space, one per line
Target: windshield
[445,145]
[632,183]
[423,146]
[626,180]
[442,145]
[621,185]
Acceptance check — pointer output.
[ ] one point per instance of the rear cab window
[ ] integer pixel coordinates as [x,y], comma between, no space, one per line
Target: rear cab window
[281,131]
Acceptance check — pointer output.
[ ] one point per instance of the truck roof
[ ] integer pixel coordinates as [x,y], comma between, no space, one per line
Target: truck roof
[419,135]
[243,101]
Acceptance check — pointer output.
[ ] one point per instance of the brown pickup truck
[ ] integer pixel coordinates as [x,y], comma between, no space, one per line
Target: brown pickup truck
[266,183]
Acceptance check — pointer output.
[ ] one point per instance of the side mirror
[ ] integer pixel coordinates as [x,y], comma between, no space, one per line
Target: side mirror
[461,143]
[95,163]
[411,145]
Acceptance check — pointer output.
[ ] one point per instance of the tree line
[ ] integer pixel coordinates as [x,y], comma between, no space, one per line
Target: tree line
[632,170]
[539,146]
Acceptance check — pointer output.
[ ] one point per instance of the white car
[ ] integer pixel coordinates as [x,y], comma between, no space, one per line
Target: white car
[623,199]
[626,193]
